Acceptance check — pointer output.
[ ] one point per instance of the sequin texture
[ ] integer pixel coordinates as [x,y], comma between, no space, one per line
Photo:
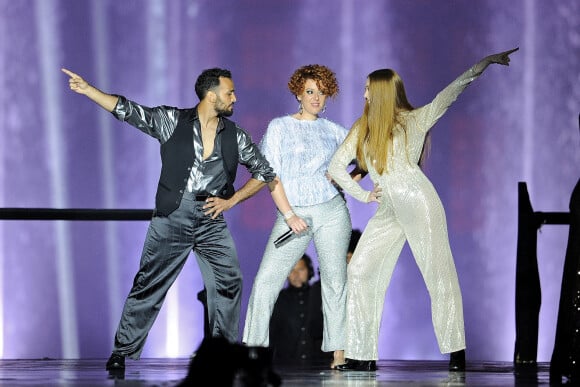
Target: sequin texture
[410,210]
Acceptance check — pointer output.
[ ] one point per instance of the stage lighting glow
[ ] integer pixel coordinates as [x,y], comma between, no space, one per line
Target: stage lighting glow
[513,124]
[100,38]
[48,37]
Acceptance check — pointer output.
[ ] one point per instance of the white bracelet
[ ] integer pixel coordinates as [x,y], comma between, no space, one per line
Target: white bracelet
[288,214]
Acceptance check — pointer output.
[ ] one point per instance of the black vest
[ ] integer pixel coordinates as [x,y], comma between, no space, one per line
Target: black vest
[177,157]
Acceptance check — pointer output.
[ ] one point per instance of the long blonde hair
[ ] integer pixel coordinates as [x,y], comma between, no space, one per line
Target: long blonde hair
[381,115]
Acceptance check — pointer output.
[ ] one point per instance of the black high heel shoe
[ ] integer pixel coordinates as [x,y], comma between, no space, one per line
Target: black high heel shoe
[457,361]
[358,365]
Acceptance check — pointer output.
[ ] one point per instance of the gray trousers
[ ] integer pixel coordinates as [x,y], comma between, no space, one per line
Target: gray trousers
[167,245]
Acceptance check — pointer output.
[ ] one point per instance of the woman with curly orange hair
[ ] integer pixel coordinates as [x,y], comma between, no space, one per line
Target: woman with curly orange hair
[299,147]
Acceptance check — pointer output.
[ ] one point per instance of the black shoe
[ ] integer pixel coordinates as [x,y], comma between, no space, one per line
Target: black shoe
[115,363]
[358,365]
[457,361]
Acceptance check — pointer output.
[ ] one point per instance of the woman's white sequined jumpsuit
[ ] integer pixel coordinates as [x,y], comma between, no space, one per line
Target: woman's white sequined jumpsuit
[410,210]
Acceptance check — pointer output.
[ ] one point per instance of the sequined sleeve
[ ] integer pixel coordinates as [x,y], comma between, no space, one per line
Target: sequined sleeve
[337,168]
[428,115]
[270,145]
[251,157]
[158,122]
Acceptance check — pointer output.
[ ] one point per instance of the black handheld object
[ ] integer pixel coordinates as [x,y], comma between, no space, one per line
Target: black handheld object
[288,235]
[283,238]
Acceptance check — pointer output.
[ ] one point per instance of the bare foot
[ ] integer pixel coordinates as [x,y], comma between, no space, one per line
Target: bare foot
[338,359]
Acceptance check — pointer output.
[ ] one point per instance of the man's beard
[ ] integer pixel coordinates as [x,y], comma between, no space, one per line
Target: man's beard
[225,113]
[221,111]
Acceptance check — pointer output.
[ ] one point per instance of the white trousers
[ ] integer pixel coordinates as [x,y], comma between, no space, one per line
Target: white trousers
[410,211]
[330,230]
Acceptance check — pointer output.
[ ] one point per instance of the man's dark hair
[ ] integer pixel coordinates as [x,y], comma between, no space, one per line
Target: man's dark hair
[209,79]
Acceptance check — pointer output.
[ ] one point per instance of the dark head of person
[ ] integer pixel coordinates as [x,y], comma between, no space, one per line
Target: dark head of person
[301,273]
[219,82]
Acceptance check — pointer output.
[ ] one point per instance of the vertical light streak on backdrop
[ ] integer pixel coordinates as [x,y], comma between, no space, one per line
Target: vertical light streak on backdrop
[3,113]
[496,236]
[101,50]
[157,75]
[45,14]
[529,64]
[347,34]
[532,129]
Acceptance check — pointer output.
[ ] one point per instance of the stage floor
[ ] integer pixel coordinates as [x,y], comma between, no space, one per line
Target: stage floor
[170,372]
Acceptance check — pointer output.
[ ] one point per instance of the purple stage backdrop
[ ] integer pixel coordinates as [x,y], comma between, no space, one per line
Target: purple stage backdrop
[63,283]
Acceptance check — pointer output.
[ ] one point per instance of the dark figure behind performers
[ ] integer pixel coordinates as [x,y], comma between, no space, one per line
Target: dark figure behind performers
[296,323]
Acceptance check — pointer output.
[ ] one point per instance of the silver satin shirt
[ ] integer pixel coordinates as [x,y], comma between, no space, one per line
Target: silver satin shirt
[299,152]
[207,176]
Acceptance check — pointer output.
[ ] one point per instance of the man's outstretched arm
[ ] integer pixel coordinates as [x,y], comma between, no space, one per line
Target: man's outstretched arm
[79,85]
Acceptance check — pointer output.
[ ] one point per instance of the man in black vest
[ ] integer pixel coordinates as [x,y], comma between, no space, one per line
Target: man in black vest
[200,152]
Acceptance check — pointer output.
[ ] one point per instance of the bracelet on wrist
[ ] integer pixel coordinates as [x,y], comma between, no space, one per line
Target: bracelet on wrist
[288,214]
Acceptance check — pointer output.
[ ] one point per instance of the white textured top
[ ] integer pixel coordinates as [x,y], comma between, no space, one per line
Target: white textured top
[299,152]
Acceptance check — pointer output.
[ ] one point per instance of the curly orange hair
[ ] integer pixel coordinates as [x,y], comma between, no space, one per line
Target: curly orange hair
[323,76]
